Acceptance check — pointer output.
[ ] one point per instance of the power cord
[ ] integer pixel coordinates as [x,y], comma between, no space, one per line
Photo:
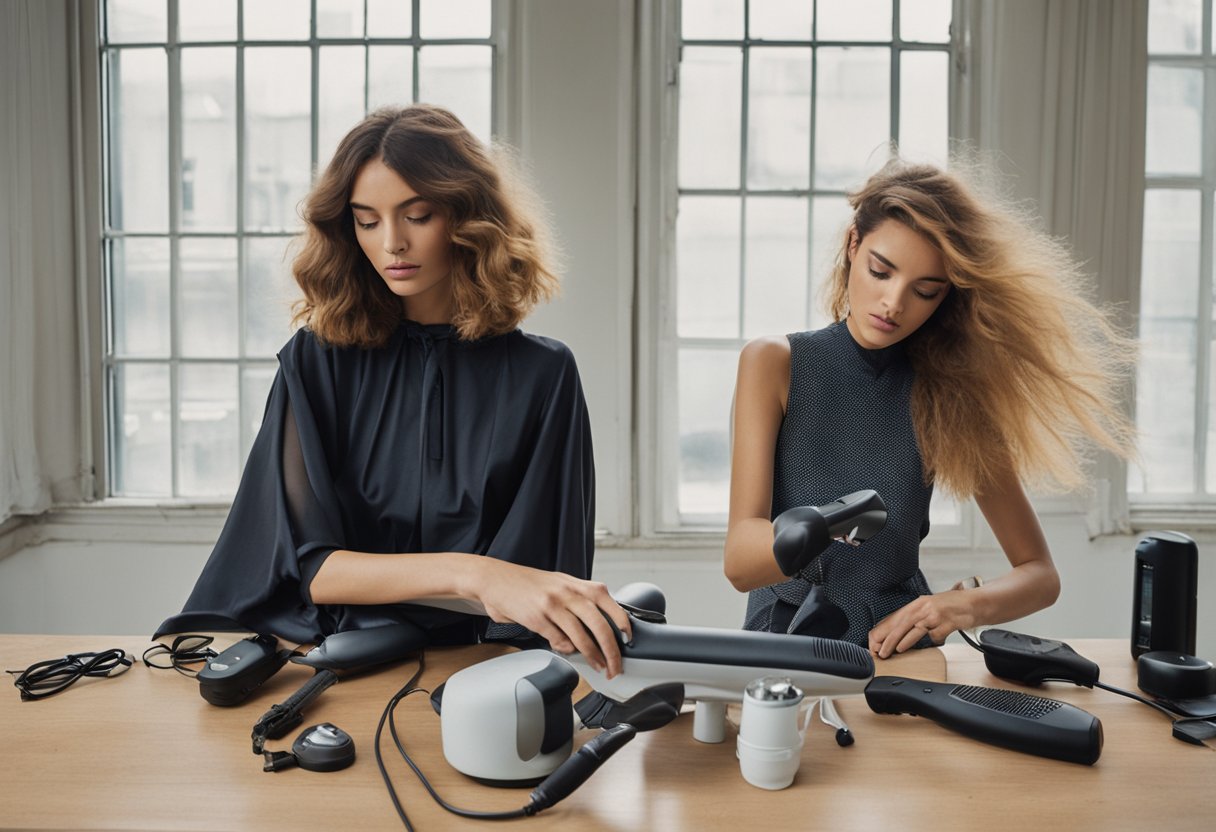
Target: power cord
[47,678]
[389,716]
[185,650]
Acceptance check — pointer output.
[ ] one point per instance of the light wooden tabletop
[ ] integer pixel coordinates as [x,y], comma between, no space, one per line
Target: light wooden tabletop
[145,751]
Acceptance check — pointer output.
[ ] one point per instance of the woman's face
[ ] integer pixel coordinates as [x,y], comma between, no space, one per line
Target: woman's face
[406,238]
[897,279]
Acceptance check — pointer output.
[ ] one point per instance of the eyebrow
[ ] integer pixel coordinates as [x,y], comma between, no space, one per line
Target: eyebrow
[358,206]
[893,266]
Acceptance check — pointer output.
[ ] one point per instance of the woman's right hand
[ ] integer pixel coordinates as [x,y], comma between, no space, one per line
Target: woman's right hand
[566,611]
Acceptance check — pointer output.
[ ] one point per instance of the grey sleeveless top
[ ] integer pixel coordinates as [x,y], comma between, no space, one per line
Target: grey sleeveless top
[847,427]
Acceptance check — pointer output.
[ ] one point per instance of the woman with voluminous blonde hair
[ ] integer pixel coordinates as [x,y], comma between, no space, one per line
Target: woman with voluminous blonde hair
[964,354]
[421,459]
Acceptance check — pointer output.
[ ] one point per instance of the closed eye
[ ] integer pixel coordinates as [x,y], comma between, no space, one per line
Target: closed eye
[423,220]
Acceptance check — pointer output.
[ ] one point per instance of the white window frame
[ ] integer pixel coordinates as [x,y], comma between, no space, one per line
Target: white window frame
[659,44]
[1197,510]
[97,351]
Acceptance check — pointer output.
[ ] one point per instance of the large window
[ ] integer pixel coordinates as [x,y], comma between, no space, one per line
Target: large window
[782,108]
[1177,377]
[217,114]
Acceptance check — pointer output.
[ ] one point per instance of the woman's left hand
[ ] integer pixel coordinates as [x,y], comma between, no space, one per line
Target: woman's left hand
[934,615]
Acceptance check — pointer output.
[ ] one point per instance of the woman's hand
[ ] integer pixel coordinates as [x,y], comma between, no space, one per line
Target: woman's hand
[934,615]
[566,611]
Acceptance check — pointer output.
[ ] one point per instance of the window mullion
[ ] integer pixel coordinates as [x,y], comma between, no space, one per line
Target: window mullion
[175,226]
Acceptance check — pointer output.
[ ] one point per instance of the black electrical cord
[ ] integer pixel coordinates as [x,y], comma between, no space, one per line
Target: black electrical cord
[389,716]
[47,678]
[185,650]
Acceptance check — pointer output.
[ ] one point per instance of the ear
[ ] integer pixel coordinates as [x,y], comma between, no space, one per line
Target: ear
[854,242]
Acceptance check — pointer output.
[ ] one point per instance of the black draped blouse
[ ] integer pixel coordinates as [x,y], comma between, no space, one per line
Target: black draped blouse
[428,444]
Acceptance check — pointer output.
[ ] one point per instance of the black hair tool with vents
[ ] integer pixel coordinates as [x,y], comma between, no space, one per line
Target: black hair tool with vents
[1005,718]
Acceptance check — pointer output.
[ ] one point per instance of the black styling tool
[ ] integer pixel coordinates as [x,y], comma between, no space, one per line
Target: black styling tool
[802,533]
[229,678]
[324,747]
[341,654]
[1006,718]
[1031,660]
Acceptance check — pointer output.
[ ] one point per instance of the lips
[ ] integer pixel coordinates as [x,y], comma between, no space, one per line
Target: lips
[882,323]
[402,269]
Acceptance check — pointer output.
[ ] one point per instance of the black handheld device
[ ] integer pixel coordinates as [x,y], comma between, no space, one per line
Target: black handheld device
[802,533]
[1031,660]
[1005,718]
[228,678]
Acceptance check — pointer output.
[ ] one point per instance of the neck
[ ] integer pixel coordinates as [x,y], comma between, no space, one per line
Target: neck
[428,308]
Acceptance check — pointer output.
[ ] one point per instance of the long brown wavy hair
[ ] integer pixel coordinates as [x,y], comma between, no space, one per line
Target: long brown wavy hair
[1017,370]
[500,265]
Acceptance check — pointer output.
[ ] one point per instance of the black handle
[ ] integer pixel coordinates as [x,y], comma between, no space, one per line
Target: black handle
[575,771]
[283,717]
[1006,718]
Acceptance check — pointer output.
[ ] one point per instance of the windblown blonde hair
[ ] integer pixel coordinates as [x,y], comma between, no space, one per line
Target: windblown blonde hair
[500,265]
[1016,370]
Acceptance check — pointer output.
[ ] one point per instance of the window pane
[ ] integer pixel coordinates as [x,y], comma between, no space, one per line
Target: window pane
[1173,141]
[255,389]
[139,286]
[853,20]
[454,19]
[707,381]
[458,78]
[340,18]
[853,91]
[141,430]
[277,143]
[207,297]
[710,111]
[924,113]
[139,140]
[780,19]
[830,219]
[270,291]
[707,257]
[775,286]
[136,21]
[925,21]
[779,118]
[712,19]
[339,97]
[208,439]
[389,19]
[1175,27]
[390,76]
[213,20]
[208,101]
[277,19]
[1165,390]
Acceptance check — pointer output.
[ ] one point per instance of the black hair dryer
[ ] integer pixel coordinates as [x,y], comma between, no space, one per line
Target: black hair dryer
[1165,593]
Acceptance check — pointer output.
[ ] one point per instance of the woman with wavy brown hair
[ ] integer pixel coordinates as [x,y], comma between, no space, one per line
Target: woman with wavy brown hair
[965,355]
[421,458]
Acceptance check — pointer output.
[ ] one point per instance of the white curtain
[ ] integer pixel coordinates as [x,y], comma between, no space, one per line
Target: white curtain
[1057,89]
[39,357]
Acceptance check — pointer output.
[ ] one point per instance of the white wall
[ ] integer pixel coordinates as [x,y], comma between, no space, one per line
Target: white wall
[91,572]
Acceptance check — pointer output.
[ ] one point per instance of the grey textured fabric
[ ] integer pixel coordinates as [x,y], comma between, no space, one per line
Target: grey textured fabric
[847,427]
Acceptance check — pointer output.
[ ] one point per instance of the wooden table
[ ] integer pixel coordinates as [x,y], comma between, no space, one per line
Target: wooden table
[145,751]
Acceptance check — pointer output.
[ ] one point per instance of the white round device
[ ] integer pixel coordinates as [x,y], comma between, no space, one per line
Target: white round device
[509,720]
